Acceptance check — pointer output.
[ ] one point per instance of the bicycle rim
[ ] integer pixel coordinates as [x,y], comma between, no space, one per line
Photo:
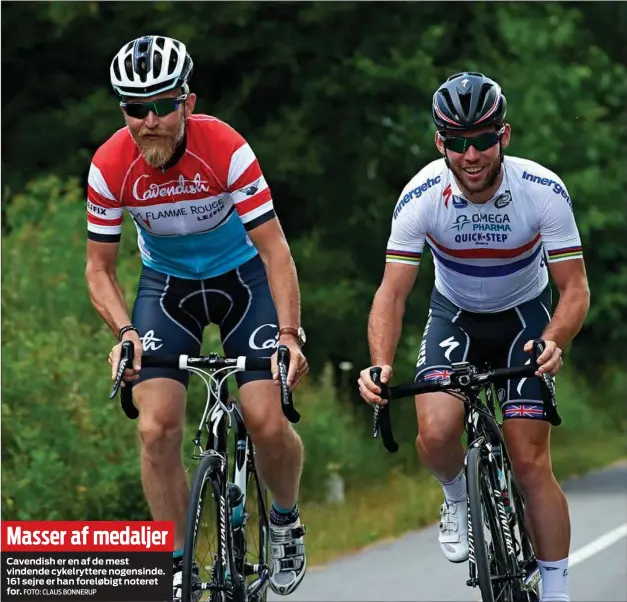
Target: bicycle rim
[485,537]
[203,542]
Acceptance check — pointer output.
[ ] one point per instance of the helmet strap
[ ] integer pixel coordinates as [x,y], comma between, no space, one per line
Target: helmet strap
[448,165]
[498,171]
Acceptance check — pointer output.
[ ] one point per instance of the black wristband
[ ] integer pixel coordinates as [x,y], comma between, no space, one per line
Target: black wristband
[126,329]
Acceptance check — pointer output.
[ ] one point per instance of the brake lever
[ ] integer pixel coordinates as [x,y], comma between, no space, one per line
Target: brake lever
[126,394]
[375,375]
[126,358]
[287,401]
[382,420]
[547,386]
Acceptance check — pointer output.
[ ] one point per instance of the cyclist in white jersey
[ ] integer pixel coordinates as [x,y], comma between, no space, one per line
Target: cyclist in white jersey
[496,226]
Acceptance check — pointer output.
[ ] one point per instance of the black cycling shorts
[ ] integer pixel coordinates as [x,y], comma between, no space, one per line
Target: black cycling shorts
[486,339]
[171,314]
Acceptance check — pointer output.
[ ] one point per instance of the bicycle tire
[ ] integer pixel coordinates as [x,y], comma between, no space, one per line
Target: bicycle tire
[263,528]
[207,480]
[529,564]
[480,498]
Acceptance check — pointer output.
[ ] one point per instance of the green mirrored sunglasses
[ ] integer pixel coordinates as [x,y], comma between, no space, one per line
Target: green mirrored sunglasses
[161,107]
[459,144]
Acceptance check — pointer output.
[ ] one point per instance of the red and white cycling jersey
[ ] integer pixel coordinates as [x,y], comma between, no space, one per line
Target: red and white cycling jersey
[192,218]
[488,257]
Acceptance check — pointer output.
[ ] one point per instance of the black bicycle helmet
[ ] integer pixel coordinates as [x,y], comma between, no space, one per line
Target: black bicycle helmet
[467,101]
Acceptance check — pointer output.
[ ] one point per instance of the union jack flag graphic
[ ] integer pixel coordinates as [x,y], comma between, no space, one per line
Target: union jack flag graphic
[523,411]
[437,374]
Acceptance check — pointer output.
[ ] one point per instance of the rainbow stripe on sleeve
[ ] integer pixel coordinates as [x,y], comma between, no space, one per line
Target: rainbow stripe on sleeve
[566,253]
[393,255]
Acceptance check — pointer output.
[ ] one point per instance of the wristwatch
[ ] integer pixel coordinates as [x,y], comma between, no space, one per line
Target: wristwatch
[297,333]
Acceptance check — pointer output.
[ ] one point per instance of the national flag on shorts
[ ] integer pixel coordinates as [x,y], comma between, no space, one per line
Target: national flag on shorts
[437,374]
[523,411]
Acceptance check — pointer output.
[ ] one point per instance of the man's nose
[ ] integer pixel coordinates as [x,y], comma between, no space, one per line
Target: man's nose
[472,154]
[151,120]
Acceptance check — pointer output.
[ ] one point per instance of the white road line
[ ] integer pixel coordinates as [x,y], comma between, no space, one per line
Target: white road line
[596,546]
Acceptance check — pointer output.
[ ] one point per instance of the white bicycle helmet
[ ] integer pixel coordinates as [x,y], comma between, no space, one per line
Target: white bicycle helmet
[150,65]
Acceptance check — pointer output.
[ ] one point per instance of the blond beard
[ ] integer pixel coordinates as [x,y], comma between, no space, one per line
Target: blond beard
[157,153]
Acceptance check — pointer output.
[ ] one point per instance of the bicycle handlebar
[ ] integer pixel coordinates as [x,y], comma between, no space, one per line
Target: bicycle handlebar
[213,362]
[463,378]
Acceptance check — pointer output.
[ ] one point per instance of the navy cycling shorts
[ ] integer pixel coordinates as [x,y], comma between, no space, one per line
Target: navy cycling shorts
[171,314]
[487,339]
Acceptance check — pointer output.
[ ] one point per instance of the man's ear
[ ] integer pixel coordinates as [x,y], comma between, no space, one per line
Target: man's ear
[506,136]
[190,103]
[439,144]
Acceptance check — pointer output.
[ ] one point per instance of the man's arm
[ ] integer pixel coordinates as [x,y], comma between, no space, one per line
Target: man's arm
[107,297]
[388,308]
[574,302]
[562,242]
[104,290]
[275,253]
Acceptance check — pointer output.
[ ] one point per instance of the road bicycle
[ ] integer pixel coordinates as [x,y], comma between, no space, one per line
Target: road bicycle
[502,561]
[226,553]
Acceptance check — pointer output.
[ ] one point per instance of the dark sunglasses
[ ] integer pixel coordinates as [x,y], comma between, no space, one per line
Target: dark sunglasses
[161,107]
[459,144]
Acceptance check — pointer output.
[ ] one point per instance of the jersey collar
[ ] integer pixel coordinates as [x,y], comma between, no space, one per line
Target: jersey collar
[178,153]
[457,191]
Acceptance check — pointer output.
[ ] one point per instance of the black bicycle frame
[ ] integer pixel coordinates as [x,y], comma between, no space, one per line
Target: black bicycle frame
[217,442]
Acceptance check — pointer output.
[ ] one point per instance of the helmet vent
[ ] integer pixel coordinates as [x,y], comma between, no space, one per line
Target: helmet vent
[158,63]
[141,68]
[128,67]
[173,62]
[485,90]
[160,42]
[464,99]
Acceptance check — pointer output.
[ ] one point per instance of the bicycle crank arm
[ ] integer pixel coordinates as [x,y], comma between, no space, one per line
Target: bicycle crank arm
[259,585]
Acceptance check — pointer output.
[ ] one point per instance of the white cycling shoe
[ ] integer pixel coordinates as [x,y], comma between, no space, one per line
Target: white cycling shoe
[289,562]
[453,535]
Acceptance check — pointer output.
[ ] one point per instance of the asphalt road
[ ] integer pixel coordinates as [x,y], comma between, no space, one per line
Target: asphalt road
[413,568]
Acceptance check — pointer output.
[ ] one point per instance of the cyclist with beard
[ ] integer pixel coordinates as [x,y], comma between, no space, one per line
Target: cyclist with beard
[213,251]
[496,225]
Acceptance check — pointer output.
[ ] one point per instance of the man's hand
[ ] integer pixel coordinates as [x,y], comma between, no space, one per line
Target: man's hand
[368,390]
[550,360]
[130,374]
[298,364]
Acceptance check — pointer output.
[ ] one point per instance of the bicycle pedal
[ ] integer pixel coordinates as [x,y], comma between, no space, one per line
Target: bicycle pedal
[532,581]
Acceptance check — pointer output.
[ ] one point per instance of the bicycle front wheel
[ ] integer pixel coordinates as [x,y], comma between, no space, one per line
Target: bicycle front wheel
[207,553]
[487,544]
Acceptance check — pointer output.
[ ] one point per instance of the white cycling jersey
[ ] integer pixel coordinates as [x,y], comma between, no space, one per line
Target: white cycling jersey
[488,257]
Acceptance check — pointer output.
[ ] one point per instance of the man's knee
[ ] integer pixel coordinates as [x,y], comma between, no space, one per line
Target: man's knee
[161,415]
[160,435]
[529,450]
[261,406]
[440,421]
